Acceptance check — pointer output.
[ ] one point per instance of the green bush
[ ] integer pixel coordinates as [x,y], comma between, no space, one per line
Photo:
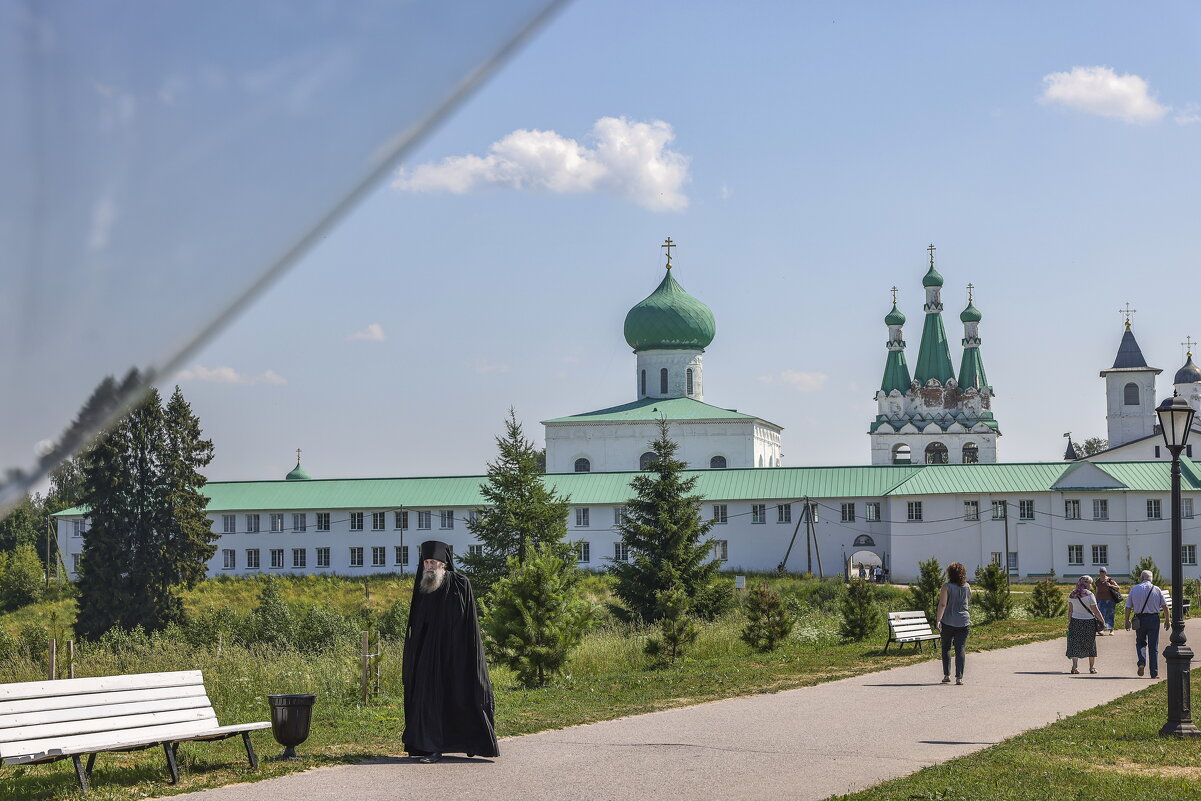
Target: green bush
[768,623]
[860,613]
[322,629]
[1046,600]
[996,601]
[270,623]
[395,620]
[22,577]
[924,594]
[1146,563]
[676,629]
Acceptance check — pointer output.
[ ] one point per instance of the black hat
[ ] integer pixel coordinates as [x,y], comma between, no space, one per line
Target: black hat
[436,549]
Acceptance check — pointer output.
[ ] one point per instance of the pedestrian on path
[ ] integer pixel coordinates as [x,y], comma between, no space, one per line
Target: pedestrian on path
[1084,621]
[1108,594]
[953,621]
[1148,600]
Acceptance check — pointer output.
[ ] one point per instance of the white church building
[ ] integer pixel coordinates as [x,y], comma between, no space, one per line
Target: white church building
[933,488]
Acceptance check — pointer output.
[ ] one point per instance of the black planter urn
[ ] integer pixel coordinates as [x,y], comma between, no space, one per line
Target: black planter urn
[290,719]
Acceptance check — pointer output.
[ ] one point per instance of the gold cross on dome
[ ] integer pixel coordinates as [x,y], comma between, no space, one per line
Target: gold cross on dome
[894,296]
[1128,313]
[298,456]
[970,287]
[669,245]
[1188,345]
[931,249]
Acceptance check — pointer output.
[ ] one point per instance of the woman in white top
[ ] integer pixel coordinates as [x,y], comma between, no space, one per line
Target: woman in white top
[1082,631]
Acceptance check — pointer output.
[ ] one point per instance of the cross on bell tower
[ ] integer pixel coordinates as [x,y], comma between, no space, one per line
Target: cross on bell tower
[669,245]
[1128,313]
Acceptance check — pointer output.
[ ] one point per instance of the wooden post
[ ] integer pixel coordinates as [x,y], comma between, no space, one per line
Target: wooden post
[53,659]
[70,659]
[364,660]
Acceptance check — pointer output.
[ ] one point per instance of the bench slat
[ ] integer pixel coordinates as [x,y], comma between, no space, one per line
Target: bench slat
[131,738]
[904,615]
[64,732]
[9,722]
[100,699]
[911,628]
[137,681]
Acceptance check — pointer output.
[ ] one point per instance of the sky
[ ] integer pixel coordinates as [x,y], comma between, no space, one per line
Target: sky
[803,157]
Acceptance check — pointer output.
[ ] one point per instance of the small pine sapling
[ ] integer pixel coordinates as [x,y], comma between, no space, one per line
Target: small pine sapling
[768,623]
[996,601]
[929,584]
[1046,600]
[1146,563]
[676,628]
[860,614]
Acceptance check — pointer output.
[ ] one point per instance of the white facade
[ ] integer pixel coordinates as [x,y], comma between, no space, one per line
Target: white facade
[618,446]
[670,374]
[903,442]
[1130,404]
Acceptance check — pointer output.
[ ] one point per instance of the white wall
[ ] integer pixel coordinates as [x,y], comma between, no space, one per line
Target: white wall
[617,446]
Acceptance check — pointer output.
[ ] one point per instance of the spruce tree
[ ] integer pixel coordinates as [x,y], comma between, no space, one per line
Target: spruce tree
[676,628]
[860,614]
[668,541]
[996,601]
[1146,563]
[767,621]
[519,509]
[929,585]
[535,615]
[1046,600]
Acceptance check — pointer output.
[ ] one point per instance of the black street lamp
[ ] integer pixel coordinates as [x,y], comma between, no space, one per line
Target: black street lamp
[1175,420]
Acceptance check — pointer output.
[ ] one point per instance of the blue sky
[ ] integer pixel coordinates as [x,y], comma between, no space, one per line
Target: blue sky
[1050,153]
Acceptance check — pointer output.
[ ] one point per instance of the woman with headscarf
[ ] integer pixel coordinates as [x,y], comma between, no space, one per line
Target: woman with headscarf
[1084,621]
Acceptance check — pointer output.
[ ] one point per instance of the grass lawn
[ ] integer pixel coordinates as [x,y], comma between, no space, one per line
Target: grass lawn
[607,677]
[1104,754]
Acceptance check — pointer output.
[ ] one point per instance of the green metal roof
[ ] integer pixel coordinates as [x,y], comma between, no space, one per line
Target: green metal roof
[896,373]
[649,409]
[669,318]
[971,370]
[775,483]
[934,355]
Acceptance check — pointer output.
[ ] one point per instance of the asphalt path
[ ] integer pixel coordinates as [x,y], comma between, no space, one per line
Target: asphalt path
[803,744]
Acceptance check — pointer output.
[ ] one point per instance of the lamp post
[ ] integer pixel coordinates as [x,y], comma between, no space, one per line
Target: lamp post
[1175,420]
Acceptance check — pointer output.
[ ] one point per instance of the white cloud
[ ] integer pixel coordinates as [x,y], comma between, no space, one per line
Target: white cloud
[801,382]
[372,333]
[1189,114]
[629,159]
[484,368]
[1101,91]
[228,375]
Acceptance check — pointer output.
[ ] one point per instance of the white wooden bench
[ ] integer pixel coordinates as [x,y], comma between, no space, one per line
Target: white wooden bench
[45,721]
[909,627]
[1167,602]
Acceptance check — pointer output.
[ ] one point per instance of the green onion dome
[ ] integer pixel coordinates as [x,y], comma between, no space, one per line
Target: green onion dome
[894,317]
[970,315]
[669,318]
[932,278]
[298,474]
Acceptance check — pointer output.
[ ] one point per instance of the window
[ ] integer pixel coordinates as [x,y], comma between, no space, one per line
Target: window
[1130,394]
[229,559]
[356,557]
[252,524]
[400,553]
[582,465]
[300,522]
[873,511]
[252,558]
[75,560]
[663,381]
[277,558]
[848,512]
[915,510]
[971,453]
[1075,554]
[581,517]
[299,557]
[400,520]
[378,555]
[645,460]
[1100,509]
[1156,451]
[936,453]
[1071,510]
[619,515]
[1188,554]
[784,513]
[1013,561]
[446,518]
[378,520]
[996,558]
[642,384]
[473,518]
[1100,554]
[688,375]
[356,521]
[1186,507]
[583,551]
[999,510]
[277,522]
[720,513]
[78,527]
[971,510]
[1025,510]
[424,520]
[1154,509]
[323,521]
[901,454]
[621,552]
[229,524]
[721,551]
[475,550]
[813,512]
[717,463]
[758,513]
[323,557]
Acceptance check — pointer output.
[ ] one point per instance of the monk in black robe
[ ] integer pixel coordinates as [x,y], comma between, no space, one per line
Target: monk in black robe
[448,695]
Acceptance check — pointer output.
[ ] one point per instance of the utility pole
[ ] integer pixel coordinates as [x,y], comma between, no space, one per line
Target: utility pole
[808,540]
[1005,512]
[811,532]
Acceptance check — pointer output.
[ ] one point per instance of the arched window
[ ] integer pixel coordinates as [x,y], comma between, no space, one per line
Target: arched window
[582,465]
[689,374]
[936,453]
[971,453]
[1131,394]
[717,463]
[646,459]
[642,384]
[901,454]
[663,381]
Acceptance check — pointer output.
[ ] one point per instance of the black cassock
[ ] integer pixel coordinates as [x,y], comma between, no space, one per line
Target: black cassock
[448,695]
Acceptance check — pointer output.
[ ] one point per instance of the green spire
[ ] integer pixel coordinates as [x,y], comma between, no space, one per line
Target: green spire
[896,373]
[934,355]
[971,372]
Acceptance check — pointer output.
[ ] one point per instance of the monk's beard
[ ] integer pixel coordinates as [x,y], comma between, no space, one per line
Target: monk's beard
[432,579]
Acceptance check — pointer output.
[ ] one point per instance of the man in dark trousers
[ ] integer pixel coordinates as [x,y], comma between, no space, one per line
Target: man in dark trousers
[448,695]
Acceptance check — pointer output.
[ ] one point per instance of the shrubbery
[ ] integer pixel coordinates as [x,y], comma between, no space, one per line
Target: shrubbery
[1146,563]
[996,601]
[860,613]
[768,623]
[929,584]
[21,577]
[1046,600]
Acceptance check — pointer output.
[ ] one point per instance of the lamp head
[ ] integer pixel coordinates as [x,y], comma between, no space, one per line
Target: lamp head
[1175,419]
